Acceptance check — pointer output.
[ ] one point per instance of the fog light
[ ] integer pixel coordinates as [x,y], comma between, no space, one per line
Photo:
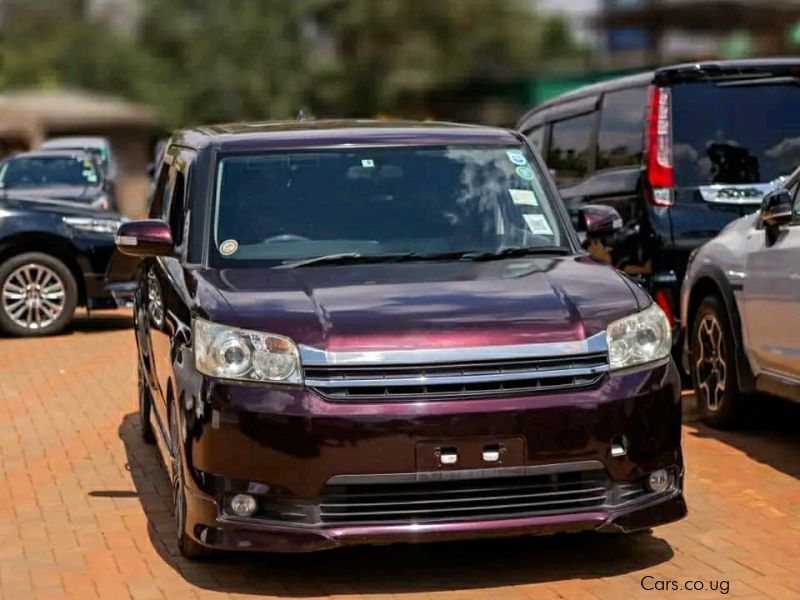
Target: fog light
[659,481]
[243,505]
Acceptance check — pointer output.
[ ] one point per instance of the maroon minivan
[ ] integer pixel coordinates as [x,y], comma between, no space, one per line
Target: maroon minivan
[363,332]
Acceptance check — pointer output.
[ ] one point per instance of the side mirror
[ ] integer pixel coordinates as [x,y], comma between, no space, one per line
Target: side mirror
[776,208]
[149,237]
[598,220]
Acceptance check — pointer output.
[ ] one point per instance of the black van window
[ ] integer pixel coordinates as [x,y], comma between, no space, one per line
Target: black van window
[734,133]
[176,209]
[568,154]
[620,140]
[160,198]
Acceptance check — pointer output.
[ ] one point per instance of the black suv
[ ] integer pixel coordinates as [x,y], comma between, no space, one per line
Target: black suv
[54,256]
[679,152]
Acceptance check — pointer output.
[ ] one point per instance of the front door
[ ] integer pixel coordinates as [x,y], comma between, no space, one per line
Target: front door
[772,298]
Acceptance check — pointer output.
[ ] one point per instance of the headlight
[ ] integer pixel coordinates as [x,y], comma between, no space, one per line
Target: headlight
[640,338]
[93,225]
[231,353]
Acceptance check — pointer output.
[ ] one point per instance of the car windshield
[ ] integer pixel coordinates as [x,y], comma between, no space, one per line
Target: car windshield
[47,171]
[371,202]
[752,134]
[99,155]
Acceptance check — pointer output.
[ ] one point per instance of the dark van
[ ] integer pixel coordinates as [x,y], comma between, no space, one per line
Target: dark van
[679,152]
[357,332]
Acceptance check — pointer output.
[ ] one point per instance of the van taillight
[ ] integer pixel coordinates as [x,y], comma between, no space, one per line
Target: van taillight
[665,305]
[658,147]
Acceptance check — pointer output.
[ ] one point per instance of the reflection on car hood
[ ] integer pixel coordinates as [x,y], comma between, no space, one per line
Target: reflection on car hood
[74,193]
[15,203]
[424,305]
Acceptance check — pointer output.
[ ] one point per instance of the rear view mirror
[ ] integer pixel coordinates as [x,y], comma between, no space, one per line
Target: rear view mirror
[598,220]
[776,208]
[149,237]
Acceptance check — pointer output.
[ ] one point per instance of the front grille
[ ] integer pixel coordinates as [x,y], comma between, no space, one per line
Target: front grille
[499,498]
[456,380]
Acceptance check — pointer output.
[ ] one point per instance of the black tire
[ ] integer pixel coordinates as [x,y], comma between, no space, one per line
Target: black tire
[8,271]
[145,409]
[187,546]
[713,366]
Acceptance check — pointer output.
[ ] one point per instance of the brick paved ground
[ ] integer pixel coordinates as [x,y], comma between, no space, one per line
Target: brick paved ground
[85,509]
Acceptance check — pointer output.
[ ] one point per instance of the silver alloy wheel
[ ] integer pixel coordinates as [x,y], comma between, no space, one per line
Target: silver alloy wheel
[33,296]
[711,367]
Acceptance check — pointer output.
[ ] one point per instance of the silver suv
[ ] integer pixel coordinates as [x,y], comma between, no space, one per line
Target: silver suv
[740,308]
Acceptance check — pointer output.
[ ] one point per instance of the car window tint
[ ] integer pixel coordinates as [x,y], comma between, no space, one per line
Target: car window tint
[176,208]
[536,137]
[568,155]
[41,171]
[734,134]
[282,205]
[620,139]
[160,198]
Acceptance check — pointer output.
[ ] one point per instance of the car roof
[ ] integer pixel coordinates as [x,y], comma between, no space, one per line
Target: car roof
[699,71]
[328,133]
[83,141]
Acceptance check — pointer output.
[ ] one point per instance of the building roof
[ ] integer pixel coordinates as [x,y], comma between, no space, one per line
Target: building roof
[68,109]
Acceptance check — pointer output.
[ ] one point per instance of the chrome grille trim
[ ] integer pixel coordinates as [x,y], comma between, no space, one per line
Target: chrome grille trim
[453,379]
[316,357]
[442,381]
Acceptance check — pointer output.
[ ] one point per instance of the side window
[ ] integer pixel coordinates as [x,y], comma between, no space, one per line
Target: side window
[568,155]
[176,208]
[536,137]
[160,197]
[620,140]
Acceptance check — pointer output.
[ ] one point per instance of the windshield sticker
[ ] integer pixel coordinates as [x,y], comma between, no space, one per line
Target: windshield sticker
[517,157]
[367,163]
[523,197]
[90,176]
[228,247]
[538,224]
[525,173]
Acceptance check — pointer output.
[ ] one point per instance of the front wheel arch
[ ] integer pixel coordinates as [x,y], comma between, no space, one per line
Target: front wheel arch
[709,285]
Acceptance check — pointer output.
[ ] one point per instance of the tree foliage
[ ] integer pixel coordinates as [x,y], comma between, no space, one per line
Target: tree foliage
[202,61]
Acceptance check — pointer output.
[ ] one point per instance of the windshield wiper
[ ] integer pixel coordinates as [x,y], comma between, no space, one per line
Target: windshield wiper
[343,258]
[513,251]
[357,257]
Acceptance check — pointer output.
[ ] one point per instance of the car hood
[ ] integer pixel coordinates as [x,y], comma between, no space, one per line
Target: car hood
[425,305]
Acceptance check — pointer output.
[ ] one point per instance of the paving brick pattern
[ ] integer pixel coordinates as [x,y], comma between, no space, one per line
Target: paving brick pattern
[85,509]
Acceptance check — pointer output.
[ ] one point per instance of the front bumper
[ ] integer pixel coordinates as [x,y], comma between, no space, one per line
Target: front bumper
[288,447]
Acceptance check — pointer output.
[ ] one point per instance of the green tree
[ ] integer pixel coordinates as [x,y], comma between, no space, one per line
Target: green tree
[221,60]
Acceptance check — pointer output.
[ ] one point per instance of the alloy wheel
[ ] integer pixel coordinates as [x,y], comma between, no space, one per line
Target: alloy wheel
[33,296]
[711,366]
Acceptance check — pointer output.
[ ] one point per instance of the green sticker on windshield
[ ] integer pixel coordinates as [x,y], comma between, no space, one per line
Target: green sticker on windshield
[525,173]
[517,157]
